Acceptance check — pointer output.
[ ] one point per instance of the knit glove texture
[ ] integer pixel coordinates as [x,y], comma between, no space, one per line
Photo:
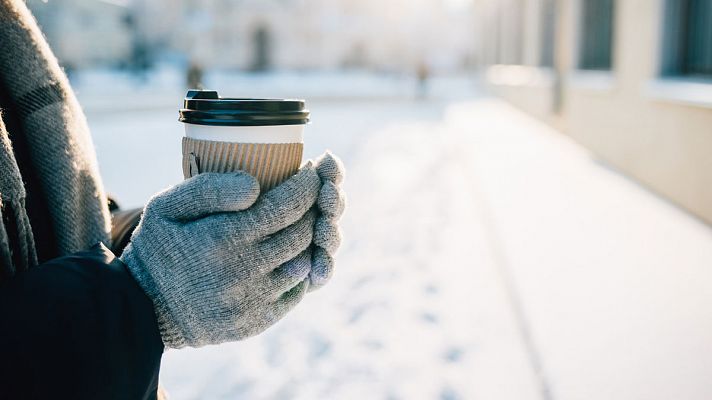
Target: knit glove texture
[221,263]
[331,203]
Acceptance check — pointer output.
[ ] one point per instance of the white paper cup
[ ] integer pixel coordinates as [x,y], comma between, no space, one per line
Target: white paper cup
[262,137]
[247,134]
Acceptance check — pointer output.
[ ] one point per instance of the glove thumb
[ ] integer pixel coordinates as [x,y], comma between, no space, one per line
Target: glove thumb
[206,194]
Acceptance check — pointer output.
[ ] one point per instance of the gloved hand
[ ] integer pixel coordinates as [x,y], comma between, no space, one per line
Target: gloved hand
[221,264]
[330,204]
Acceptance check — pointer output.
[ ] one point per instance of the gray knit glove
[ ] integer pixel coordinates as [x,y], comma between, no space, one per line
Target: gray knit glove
[222,263]
[330,205]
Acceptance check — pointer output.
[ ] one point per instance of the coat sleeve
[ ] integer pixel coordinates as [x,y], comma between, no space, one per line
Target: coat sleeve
[78,327]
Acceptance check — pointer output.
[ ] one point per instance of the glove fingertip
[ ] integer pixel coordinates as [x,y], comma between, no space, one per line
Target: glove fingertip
[327,235]
[244,186]
[330,168]
[307,183]
[297,268]
[244,178]
[331,200]
[322,268]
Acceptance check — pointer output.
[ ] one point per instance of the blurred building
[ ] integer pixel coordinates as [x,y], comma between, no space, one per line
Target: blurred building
[86,33]
[312,34]
[397,35]
[629,79]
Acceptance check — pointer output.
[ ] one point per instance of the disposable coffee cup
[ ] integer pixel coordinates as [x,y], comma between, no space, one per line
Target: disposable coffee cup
[263,137]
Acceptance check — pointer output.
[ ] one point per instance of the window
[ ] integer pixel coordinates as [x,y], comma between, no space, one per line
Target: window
[687,46]
[548,33]
[596,42]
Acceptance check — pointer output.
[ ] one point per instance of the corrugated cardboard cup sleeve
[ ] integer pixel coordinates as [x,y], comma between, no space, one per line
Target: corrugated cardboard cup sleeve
[270,163]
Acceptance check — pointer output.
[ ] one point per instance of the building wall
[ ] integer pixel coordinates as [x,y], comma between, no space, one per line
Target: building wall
[84,33]
[313,34]
[392,36]
[656,130]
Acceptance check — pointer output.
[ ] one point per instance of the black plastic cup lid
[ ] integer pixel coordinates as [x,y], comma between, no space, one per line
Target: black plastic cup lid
[206,107]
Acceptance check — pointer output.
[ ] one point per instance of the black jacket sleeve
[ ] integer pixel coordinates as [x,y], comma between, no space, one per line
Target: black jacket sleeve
[78,327]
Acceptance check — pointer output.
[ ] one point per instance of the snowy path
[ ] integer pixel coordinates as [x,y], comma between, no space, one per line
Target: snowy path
[485,257]
[614,281]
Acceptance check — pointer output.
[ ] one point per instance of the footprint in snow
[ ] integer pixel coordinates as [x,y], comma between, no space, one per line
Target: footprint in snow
[359,311]
[372,344]
[319,347]
[361,282]
[430,318]
[448,393]
[431,289]
[454,354]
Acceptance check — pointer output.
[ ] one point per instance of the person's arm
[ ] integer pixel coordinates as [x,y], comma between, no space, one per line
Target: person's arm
[212,261]
[123,224]
[78,327]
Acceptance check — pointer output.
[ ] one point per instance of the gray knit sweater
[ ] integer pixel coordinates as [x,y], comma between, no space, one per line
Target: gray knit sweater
[58,161]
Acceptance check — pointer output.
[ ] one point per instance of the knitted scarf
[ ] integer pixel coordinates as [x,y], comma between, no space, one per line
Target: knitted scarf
[52,202]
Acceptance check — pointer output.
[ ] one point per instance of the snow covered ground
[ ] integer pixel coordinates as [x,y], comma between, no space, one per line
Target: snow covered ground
[485,256]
